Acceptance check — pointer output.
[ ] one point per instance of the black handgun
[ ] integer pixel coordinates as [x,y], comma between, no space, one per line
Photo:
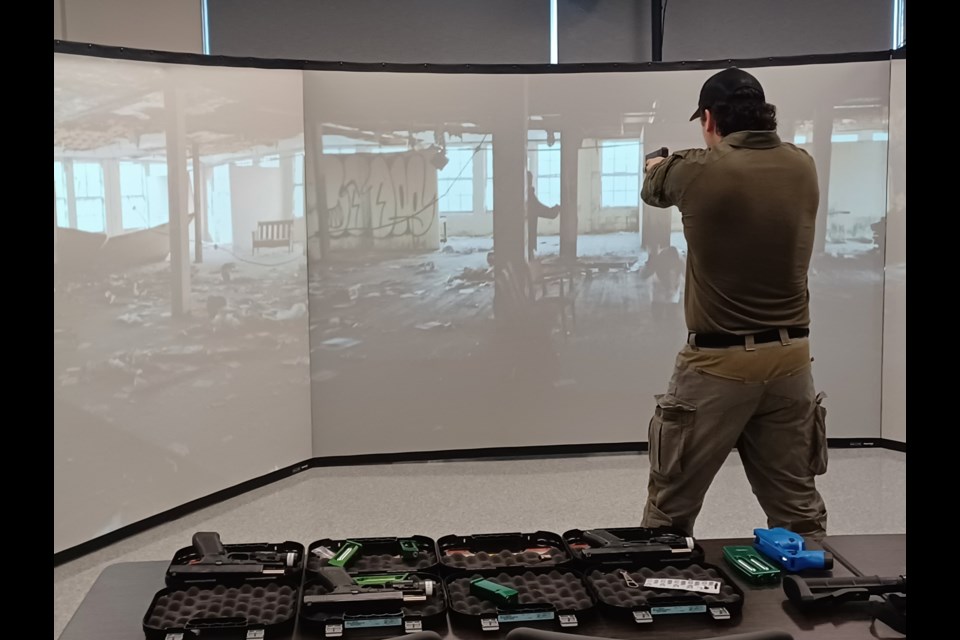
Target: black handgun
[212,558]
[603,543]
[343,590]
[662,152]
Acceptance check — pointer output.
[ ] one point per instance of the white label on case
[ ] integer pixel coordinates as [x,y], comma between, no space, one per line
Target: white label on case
[701,586]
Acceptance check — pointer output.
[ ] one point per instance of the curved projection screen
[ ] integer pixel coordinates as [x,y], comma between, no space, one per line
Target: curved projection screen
[256,267]
[421,181]
[180,361]
[895,290]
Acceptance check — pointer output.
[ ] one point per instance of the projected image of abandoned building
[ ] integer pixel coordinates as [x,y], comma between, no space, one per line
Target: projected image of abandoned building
[411,253]
[180,317]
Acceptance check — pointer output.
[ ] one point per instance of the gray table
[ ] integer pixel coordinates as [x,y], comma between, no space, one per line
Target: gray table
[115,605]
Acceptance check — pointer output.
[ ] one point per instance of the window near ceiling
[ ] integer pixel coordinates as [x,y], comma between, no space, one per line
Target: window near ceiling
[219,215]
[899,23]
[158,196]
[144,198]
[89,192]
[619,173]
[134,207]
[548,174]
[488,193]
[60,193]
[455,181]
[270,162]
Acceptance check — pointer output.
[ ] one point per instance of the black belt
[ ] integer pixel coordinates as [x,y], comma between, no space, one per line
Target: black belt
[721,340]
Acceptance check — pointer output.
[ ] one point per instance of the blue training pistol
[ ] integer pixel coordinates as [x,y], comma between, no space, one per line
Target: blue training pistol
[787,548]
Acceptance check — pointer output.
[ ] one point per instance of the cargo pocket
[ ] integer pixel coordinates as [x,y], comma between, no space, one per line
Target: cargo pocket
[818,453]
[671,420]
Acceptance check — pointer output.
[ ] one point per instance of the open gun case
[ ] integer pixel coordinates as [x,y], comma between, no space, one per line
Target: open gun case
[235,591]
[496,579]
[367,585]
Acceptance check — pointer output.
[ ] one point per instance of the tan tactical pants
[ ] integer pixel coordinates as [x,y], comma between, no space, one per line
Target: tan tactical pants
[759,399]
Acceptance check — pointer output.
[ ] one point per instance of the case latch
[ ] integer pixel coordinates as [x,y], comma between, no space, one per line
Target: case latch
[489,624]
[412,626]
[333,630]
[719,613]
[173,636]
[567,620]
[642,617]
[256,634]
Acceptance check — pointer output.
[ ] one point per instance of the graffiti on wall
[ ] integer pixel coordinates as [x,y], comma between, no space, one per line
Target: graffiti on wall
[381,196]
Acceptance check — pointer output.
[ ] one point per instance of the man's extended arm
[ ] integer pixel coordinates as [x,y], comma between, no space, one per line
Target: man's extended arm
[666,179]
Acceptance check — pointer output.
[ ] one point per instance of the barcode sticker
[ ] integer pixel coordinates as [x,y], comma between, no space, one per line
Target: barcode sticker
[701,586]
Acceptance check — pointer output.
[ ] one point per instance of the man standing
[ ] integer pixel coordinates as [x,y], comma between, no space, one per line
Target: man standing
[535,211]
[749,204]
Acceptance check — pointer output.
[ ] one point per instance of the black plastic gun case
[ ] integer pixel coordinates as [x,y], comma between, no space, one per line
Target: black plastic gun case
[236,591]
[364,585]
[496,579]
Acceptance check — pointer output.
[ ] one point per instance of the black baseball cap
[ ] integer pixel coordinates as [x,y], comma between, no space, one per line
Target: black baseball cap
[722,85]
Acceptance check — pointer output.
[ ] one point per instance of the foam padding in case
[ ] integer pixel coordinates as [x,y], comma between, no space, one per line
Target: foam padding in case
[563,589]
[611,589]
[498,551]
[379,555]
[249,604]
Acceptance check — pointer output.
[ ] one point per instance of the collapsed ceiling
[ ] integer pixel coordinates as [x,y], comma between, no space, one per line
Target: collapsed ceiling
[118,109]
[106,108]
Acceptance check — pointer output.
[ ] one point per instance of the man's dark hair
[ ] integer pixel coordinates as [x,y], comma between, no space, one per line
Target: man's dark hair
[745,110]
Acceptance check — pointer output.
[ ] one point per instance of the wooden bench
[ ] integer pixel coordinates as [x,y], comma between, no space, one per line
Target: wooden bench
[273,233]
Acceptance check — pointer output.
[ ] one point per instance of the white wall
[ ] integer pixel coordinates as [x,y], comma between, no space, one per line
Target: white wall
[894,410]
[57,19]
[865,160]
[170,25]
[256,195]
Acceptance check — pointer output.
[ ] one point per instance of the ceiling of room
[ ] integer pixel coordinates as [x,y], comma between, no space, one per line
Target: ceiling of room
[117,109]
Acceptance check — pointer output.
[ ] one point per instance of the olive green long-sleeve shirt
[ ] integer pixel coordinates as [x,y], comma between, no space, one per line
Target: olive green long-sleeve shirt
[749,208]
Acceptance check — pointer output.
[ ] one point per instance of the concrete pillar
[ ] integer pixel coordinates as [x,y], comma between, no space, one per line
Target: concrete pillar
[509,186]
[177,197]
[570,140]
[315,192]
[112,198]
[199,210]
